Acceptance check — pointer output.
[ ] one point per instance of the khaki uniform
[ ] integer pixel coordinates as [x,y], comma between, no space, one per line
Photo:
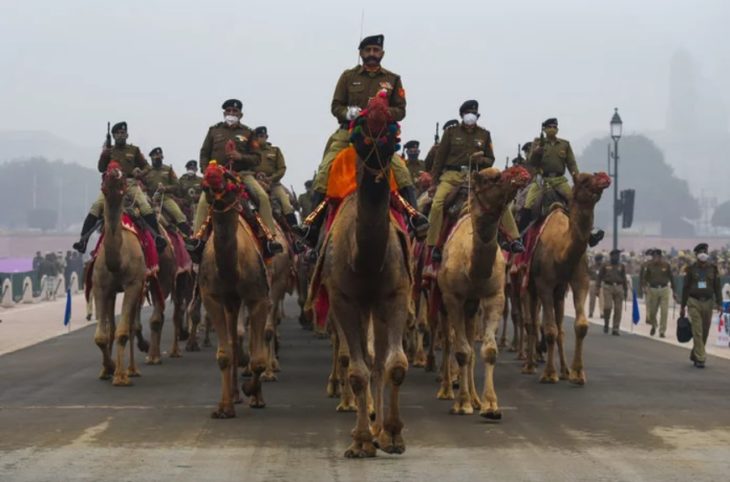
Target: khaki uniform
[415,168]
[129,158]
[656,280]
[165,175]
[612,280]
[305,204]
[450,169]
[701,293]
[356,87]
[593,292]
[214,149]
[190,190]
[557,157]
[274,166]
[430,158]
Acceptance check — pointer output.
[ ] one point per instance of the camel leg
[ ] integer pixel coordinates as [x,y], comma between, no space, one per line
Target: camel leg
[224,357]
[257,310]
[270,335]
[559,312]
[177,320]
[419,359]
[490,407]
[505,315]
[104,336]
[547,300]
[193,313]
[531,327]
[350,317]
[433,329]
[156,321]
[457,318]
[390,361]
[133,371]
[123,330]
[232,309]
[333,382]
[347,397]
[579,286]
[446,391]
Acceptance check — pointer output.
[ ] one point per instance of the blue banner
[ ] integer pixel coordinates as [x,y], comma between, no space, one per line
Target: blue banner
[635,315]
[67,315]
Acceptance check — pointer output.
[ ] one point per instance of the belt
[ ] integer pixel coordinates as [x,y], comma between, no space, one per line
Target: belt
[474,167]
[553,174]
[345,125]
[701,298]
[658,286]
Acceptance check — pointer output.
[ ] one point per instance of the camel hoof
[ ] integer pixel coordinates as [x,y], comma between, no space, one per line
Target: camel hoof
[121,380]
[276,366]
[153,360]
[107,372]
[192,345]
[175,354]
[343,407]
[491,414]
[564,375]
[143,345]
[256,402]
[224,412]
[549,378]
[333,388]
[390,443]
[419,360]
[528,370]
[133,372]
[460,408]
[269,377]
[577,377]
[361,451]
[445,394]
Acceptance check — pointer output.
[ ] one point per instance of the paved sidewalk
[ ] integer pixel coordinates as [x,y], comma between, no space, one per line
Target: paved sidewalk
[643,329]
[27,324]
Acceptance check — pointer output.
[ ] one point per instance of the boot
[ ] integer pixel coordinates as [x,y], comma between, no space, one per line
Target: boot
[525,218]
[606,316]
[596,238]
[86,230]
[184,228]
[291,219]
[151,221]
[195,246]
[516,246]
[271,248]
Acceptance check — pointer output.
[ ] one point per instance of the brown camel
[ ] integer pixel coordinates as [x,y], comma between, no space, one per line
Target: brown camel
[366,272]
[232,273]
[559,261]
[473,274]
[280,273]
[119,267]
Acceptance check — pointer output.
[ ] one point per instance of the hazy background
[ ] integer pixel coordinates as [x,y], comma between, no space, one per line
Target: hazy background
[166,66]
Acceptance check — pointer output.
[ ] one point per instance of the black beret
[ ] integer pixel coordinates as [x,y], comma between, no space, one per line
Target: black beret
[261,130]
[702,247]
[550,121]
[412,145]
[235,103]
[155,151]
[451,123]
[615,252]
[308,183]
[372,40]
[468,105]
[191,163]
[119,126]
[657,252]
[527,146]
[518,160]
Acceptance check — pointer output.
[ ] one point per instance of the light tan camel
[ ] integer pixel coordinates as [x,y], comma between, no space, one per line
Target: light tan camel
[119,267]
[365,269]
[232,273]
[559,261]
[280,273]
[473,274]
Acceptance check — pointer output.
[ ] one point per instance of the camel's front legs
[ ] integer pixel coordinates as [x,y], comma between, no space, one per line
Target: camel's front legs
[333,381]
[549,375]
[531,327]
[490,408]
[133,371]
[579,286]
[126,324]
[446,391]
[432,318]
[104,336]
[257,321]
[559,312]
[224,357]
[157,319]
[463,350]
[193,313]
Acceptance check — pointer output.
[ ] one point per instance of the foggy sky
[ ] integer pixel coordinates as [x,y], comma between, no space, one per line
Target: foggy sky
[166,66]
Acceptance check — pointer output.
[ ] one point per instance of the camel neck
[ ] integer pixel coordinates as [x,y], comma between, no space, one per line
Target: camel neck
[580,225]
[484,242]
[373,222]
[113,231]
[225,228]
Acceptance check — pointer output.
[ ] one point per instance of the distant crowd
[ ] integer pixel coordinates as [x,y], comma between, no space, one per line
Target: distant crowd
[52,266]
[678,259]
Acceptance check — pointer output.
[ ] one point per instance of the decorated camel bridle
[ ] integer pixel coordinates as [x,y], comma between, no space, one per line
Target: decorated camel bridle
[514,175]
[219,181]
[375,118]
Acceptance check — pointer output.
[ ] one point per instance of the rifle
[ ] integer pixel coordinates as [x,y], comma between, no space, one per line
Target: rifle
[436,137]
[506,162]
[108,143]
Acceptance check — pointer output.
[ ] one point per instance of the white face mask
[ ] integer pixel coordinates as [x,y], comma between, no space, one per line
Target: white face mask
[470,119]
[703,257]
[191,171]
[230,119]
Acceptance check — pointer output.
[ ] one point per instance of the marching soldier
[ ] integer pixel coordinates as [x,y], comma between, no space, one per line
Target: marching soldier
[612,280]
[463,147]
[271,170]
[595,293]
[656,280]
[415,165]
[161,178]
[132,164]
[190,188]
[701,293]
[242,160]
[551,158]
[428,162]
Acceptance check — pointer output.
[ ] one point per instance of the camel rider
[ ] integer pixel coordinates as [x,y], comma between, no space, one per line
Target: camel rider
[464,147]
[190,187]
[435,147]
[305,199]
[271,170]
[414,164]
[243,159]
[161,178]
[550,158]
[132,163]
[354,88]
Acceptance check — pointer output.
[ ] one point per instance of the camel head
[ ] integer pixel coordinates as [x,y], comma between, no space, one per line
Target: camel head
[113,181]
[587,188]
[493,189]
[374,133]
[222,188]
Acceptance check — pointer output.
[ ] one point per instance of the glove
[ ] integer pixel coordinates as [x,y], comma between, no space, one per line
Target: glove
[352,112]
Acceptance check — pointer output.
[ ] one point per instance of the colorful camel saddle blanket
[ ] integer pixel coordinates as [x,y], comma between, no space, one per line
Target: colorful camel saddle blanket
[342,179]
[532,236]
[182,258]
[318,298]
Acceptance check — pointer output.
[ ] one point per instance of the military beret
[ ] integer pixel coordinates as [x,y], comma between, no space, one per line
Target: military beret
[155,151]
[468,105]
[261,130]
[191,163]
[550,121]
[518,160]
[701,248]
[649,251]
[451,123]
[657,252]
[119,126]
[235,103]
[308,183]
[372,40]
[527,146]
[412,145]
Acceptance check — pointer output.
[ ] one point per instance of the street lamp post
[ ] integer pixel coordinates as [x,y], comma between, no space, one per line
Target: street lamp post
[616,128]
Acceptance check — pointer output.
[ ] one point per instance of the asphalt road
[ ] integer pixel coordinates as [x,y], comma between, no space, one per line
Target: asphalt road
[645,414]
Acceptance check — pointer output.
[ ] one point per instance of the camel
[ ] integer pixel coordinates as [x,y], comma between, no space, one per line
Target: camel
[119,267]
[473,274]
[232,273]
[280,272]
[558,261]
[366,273]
